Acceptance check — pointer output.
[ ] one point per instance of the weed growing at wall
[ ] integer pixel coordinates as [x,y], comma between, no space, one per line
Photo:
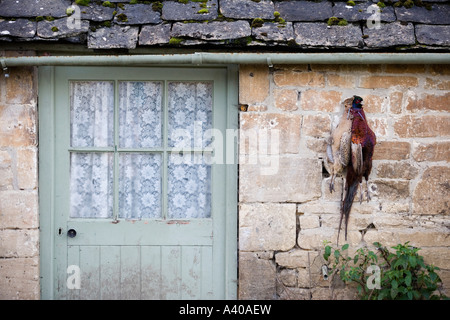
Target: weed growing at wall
[386,275]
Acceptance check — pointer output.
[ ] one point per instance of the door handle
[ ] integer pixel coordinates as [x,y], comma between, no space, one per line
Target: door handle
[71,233]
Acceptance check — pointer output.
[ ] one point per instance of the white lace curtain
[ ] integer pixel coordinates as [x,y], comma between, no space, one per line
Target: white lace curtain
[140,173]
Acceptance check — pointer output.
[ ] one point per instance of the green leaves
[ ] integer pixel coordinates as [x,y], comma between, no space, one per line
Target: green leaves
[403,274]
[327,253]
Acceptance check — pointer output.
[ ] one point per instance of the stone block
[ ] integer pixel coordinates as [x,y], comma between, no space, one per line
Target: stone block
[318,207]
[304,10]
[244,9]
[253,83]
[432,193]
[113,38]
[417,237]
[311,239]
[341,80]
[294,78]
[396,170]
[19,279]
[379,126]
[293,180]
[268,226]
[257,277]
[434,102]
[396,102]
[434,151]
[215,30]
[137,14]
[326,101]
[374,103]
[438,257]
[391,150]
[17,125]
[309,221]
[304,279]
[422,126]
[390,35]
[288,277]
[6,171]
[296,258]
[316,125]
[386,82]
[19,243]
[18,28]
[405,68]
[433,35]
[286,99]
[321,35]
[439,84]
[269,133]
[392,190]
[27,168]
[20,88]
[154,34]
[18,209]
[294,294]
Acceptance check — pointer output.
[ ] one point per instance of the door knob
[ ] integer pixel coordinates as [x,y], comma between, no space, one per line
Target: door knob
[71,233]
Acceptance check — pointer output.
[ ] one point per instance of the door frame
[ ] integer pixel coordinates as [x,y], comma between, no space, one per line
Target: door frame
[47,176]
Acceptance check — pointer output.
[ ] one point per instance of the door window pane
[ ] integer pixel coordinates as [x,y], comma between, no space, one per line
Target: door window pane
[190,113]
[139,186]
[92,113]
[140,114]
[131,182]
[91,185]
[189,187]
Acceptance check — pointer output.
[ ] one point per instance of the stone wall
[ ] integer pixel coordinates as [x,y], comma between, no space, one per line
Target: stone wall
[19,222]
[285,212]
[285,216]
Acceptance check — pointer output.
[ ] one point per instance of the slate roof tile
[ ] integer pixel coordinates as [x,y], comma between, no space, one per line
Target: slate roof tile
[433,35]
[390,35]
[321,35]
[216,30]
[299,24]
[439,14]
[304,10]
[18,28]
[245,9]
[178,11]
[35,8]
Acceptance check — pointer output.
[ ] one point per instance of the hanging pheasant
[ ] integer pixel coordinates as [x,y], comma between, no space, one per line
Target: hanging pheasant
[363,141]
[338,145]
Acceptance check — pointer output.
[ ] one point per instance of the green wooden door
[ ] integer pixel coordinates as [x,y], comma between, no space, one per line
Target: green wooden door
[142,200]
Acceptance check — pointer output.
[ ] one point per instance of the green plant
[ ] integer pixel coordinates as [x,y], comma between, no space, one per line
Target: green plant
[399,275]
[337,21]
[82,2]
[108,4]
